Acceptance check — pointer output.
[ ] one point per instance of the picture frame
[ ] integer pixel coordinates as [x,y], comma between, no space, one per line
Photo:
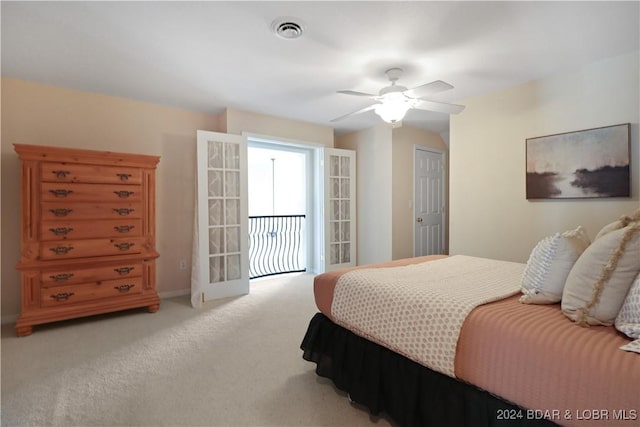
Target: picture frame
[590,163]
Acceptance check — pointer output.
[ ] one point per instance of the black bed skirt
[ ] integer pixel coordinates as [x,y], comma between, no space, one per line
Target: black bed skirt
[407,392]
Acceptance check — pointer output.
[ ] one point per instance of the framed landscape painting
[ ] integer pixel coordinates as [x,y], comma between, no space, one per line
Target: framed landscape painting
[583,164]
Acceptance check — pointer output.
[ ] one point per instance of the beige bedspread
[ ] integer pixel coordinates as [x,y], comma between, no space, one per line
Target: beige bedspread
[399,307]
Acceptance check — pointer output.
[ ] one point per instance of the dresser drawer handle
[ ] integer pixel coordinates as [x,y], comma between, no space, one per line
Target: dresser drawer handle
[61,231]
[60,174]
[61,193]
[63,296]
[61,250]
[124,228]
[61,212]
[123,288]
[123,194]
[61,277]
[123,270]
[124,176]
[123,246]
[123,211]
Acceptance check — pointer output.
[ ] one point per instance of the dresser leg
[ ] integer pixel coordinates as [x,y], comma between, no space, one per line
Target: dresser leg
[153,308]
[23,331]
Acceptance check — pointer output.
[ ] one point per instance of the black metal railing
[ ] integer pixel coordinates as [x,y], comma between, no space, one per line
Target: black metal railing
[276,245]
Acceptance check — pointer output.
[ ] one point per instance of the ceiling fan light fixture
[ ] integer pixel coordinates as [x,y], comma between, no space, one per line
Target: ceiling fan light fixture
[393,108]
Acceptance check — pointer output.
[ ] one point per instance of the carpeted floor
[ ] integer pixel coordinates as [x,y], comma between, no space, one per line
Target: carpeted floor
[236,362]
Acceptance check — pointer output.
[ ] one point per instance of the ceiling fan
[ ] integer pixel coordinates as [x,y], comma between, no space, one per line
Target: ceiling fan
[394,101]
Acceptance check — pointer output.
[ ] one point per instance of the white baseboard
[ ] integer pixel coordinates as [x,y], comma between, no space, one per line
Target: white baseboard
[171,294]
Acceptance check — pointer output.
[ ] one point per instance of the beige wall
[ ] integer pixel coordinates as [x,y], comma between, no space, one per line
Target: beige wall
[404,139]
[490,216]
[39,114]
[236,121]
[384,161]
[373,191]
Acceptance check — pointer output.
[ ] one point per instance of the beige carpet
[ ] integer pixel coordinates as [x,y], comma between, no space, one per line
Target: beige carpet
[236,362]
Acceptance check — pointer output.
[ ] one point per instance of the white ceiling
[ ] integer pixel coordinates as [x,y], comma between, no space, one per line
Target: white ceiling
[207,56]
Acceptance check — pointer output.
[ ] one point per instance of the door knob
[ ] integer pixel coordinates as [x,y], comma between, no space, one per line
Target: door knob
[419,219]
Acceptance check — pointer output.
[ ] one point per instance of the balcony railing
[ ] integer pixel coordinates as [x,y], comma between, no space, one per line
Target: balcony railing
[276,245]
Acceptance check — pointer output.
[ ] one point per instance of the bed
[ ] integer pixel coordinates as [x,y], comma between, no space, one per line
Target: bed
[514,364]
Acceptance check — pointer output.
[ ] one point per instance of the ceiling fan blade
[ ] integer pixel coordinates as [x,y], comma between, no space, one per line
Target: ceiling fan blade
[353,92]
[428,89]
[370,107]
[439,107]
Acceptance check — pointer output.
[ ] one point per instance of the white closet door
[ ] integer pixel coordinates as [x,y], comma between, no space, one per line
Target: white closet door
[429,203]
[222,214]
[340,208]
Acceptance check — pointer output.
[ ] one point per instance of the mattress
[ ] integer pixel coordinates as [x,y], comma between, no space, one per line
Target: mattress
[535,357]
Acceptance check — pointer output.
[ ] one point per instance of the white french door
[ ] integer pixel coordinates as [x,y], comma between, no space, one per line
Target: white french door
[222,215]
[340,208]
[429,202]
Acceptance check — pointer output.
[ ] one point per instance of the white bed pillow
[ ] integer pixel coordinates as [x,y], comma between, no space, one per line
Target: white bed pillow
[618,224]
[632,346]
[628,319]
[549,265]
[615,225]
[600,279]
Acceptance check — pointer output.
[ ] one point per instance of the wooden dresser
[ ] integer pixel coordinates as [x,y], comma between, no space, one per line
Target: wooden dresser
[88,233]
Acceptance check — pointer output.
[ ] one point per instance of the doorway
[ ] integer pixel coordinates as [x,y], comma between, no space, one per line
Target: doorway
[280,200]
[429,206]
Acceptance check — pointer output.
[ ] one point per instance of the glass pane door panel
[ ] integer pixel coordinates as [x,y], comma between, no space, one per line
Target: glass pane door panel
[216,241]
[233,239]
[335,187]
[335,166]
[334,210]
[233,267]
[231,156]
[334,257]
[215,212]
[216,269]
[334,232]
[345,184]
[215,183]
[345,231]
[232,212]
[345,209]
[345,169]
[345,253]
[232,184]
[214,154]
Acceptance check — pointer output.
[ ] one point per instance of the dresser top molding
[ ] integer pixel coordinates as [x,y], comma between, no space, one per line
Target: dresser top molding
[76,155]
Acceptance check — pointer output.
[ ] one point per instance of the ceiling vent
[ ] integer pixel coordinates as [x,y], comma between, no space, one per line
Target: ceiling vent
[287,28]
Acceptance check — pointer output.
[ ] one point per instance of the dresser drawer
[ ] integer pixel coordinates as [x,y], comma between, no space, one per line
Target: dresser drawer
[90,248]
[95,174]
[71,276]
[65,210]
[72,192]
[83,292]
[87,229]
